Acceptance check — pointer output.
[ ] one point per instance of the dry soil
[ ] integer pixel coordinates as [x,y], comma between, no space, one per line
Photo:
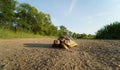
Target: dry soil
[37,54]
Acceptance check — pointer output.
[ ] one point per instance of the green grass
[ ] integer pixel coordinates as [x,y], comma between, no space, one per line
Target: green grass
[5,34]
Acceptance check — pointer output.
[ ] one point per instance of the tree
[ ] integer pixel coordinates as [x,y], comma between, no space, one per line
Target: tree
[111,31]
[29,19]
[26,18]
[7,14]
[63,30]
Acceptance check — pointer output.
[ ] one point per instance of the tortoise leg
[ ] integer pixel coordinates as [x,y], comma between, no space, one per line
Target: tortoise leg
[64,46]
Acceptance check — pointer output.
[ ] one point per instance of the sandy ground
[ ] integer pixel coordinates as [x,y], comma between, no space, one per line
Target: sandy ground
[37,54]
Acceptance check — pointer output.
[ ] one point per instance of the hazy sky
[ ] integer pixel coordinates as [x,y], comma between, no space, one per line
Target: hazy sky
[80,16]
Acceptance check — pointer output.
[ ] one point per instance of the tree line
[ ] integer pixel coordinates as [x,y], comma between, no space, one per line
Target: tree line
[110,31]
[26,18]
[22,17]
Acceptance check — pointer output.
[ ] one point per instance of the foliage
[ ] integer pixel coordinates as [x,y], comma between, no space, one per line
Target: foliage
[32,20]
[62,30]
[111,31]
[24,18]
[7,14]
[83,36]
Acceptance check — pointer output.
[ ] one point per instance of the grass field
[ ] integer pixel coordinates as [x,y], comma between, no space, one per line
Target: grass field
[5,34]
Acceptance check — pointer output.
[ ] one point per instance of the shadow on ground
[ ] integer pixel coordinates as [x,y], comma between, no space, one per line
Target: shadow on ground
[31,45]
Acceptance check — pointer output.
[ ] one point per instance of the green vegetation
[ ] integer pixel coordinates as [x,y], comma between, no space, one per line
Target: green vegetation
[23,20]
[111,31]
[4,33]
[83,36]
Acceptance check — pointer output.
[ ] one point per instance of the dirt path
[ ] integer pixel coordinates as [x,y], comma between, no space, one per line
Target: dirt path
[37,54]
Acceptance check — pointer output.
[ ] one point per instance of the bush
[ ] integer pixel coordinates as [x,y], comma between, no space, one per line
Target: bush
[111,31]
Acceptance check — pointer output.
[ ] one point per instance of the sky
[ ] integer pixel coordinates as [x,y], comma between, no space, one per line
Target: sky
[80,16]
